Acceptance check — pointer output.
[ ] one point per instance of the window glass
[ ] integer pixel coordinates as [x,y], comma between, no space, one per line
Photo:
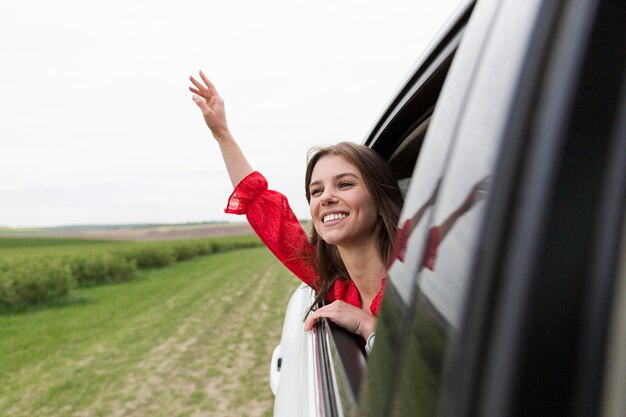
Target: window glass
[445,243]
[415,115]
[413,233]
[614,403]
[410,242]
[402,160]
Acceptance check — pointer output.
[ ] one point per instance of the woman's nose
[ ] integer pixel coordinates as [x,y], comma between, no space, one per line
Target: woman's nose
[327,198]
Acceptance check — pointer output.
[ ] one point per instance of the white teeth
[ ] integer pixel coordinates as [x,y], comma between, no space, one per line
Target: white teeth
[330,217]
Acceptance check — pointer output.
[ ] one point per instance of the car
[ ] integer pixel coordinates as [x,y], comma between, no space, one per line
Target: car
[508,137]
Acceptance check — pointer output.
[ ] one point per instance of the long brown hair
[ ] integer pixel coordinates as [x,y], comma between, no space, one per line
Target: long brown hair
[383,188]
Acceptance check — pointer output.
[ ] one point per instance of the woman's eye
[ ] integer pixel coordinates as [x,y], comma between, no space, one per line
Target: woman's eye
[316,191]
[345,184]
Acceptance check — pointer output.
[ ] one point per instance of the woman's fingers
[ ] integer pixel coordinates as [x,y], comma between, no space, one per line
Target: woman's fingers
[206,90]
[315,315]
[201,88]
[201,96]
[343,314]
[310,321]
[208,83]
[212,106]
[200,102]
[196,93]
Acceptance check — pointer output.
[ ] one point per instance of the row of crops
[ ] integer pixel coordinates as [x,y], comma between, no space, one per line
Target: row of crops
[38,270]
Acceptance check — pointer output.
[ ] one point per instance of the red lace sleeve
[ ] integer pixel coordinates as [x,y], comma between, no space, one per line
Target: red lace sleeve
[401,240]
[430,256]
[271,217]
[245,193]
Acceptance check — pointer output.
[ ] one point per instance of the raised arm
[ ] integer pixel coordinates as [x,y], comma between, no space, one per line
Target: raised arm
[476,194]
[212,106]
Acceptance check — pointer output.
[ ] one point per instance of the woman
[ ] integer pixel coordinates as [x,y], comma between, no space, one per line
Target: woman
[354,202]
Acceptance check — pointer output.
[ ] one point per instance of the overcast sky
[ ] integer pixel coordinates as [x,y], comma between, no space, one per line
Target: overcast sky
[97,125]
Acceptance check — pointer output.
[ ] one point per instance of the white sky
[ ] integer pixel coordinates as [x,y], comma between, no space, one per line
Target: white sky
[97,125]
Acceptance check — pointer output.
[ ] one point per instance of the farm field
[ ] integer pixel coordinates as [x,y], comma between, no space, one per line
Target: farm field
[190,339]
[135,233]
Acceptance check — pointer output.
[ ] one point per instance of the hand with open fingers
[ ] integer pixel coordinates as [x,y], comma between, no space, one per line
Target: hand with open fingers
[346,315]
[476,194]
[211,104]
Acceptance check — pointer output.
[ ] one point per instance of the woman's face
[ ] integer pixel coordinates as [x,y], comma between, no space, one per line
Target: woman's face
[342,208]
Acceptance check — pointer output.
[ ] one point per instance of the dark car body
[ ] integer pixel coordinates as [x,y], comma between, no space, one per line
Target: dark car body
[509,140]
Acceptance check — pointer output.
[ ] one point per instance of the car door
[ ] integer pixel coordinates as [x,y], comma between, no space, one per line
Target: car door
[508,138]
[501,323]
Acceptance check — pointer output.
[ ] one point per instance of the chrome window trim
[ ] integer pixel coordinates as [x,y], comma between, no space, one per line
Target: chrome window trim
[340,367]
[326,381]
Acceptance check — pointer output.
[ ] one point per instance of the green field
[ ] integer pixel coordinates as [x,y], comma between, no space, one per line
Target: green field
[39,270]
[190,339]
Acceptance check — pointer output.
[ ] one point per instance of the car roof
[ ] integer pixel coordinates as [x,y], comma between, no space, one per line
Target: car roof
[455,24]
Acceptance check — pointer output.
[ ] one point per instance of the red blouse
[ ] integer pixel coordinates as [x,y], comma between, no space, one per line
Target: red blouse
[271,217]
[402,238]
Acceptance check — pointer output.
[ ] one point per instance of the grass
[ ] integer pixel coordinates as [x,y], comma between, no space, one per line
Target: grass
[192,339]
[24,246]
[7,243]
[19,229]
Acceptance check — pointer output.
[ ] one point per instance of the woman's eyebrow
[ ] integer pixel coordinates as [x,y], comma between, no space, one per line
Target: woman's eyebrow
[336,177]
[312,183]
[346,174]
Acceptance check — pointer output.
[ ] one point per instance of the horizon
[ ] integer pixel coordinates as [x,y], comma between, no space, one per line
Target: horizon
[124,225]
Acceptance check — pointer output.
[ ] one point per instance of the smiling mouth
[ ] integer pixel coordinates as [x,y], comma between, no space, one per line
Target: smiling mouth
[336,216]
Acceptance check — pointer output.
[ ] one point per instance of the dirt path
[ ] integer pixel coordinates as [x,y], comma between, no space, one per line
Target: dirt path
[216,363]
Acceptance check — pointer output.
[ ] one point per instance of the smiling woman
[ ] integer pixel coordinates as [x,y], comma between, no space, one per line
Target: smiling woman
[354,202]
